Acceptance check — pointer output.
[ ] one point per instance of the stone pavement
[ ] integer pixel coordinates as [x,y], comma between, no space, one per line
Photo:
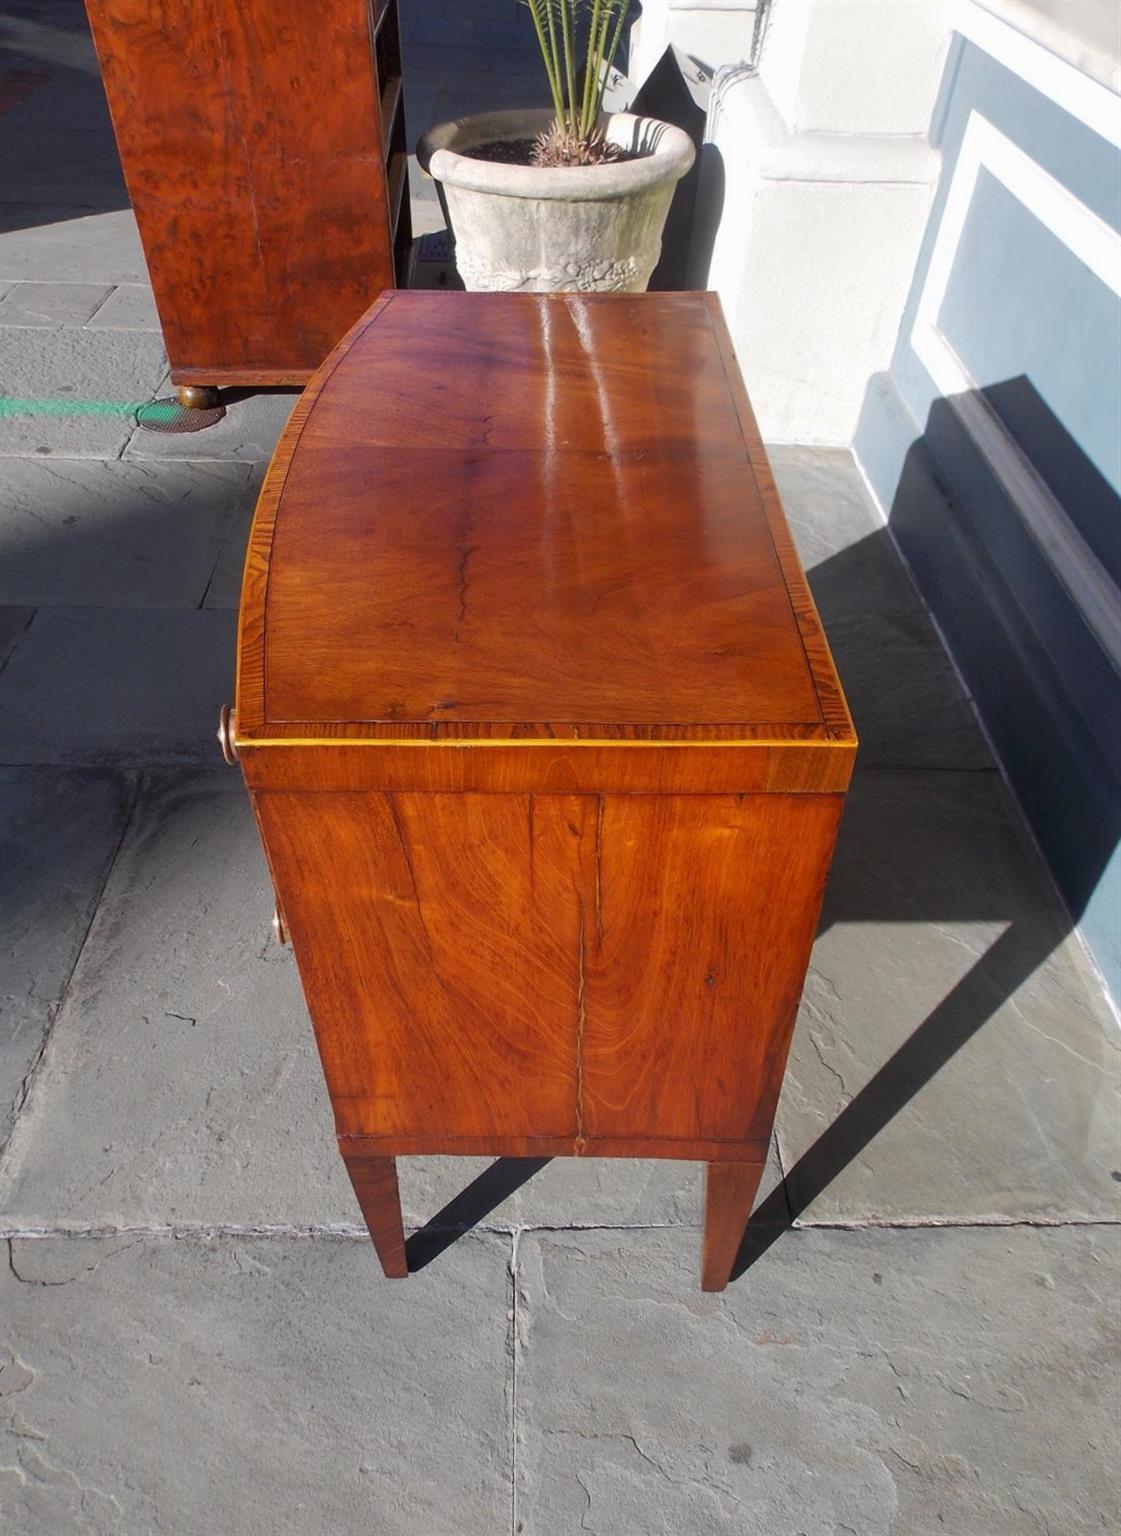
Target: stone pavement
[194,1333]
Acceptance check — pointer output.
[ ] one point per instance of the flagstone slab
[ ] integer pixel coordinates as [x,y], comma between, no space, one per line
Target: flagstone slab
[75,392]
[564,1192]
[882,1382]
[52,304]
[224,590]
[825,499]
[130,307]
[52,163]
[500,31]
[954,1058]
[70,243]
[94,687]
[184,1067]
[908,705]
[58,835]
[14,622]
[92,533]
[53,37]
[252,1387]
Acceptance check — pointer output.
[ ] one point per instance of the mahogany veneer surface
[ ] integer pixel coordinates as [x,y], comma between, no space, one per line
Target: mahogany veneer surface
[543,736]
[535,518]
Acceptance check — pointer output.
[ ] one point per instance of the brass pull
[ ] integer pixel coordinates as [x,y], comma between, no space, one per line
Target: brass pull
[279,927]
[227,726]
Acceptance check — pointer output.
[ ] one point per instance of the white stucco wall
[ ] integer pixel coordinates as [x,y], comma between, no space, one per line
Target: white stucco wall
[856,66]
[812,259]
[713,32]
[820,163]
[827,183]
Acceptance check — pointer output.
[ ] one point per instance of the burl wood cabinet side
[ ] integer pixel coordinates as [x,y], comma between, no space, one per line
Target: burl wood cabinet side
[251,138]
[507,973]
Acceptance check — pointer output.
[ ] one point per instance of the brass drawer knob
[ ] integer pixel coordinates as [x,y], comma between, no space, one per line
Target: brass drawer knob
[227,726]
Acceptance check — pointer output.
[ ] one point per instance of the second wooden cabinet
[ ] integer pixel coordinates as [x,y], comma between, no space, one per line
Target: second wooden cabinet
[264,148]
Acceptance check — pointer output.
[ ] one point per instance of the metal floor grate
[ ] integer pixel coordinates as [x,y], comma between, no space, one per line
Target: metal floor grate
[167,415]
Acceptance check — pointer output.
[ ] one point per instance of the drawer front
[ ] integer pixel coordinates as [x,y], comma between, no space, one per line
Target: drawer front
[603,968]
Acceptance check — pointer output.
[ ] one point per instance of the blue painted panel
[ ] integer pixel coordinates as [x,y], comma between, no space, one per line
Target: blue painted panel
[1036,602]
[1064,782]
[1075,155]
[1081,160]
[1020,306]
[1042,337]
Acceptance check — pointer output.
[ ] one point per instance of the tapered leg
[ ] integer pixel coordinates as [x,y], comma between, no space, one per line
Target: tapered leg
[730,1190]
[375,1184]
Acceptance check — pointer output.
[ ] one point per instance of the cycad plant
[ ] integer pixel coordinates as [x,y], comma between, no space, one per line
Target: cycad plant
[575,138]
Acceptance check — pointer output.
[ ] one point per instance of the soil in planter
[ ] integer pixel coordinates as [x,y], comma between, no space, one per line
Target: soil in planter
[520,151]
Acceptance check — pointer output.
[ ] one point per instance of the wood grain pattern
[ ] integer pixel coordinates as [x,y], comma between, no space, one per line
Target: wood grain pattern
[251,141]
[544,766]
[544,740]
[575,471]
[704,913]
[543,965]
[730,1190]
[375,1186]
[442,973]
[266,378]
[433,1143]
[627,611]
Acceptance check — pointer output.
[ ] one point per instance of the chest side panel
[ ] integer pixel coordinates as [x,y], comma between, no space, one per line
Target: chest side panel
[598,967]
[705,912]
[438,941]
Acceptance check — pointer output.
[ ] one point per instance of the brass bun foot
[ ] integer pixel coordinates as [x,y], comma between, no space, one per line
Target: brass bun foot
[199,397]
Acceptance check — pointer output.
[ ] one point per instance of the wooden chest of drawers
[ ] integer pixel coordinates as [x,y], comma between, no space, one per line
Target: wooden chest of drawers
[543,738]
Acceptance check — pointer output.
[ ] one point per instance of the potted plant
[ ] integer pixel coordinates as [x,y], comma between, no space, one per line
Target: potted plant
[564,199]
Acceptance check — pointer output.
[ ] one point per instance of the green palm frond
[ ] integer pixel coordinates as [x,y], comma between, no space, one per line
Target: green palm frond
[578,94]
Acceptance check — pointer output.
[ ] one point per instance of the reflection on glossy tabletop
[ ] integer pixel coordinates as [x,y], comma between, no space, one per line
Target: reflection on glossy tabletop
[543,737]
[533,512]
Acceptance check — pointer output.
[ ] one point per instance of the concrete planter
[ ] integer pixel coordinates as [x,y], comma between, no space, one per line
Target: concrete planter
[584,228]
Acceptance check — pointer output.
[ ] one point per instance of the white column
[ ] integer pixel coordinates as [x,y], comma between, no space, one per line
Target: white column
[827,182]
[713,32]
